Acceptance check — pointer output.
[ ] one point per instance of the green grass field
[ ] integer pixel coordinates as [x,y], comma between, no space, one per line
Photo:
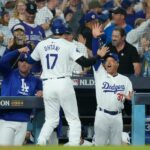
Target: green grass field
[76,148]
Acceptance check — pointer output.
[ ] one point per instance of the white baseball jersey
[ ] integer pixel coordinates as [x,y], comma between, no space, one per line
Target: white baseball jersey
[56,57]
[45,15]
[109,89]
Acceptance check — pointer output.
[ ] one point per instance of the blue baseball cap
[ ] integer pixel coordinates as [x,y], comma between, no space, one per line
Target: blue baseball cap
[126,4]
[23,57]
[90,16]
[113,55]
[119,10]
[31,8]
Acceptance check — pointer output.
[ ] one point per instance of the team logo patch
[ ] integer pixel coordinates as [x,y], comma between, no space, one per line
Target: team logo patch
[93,16]
[57,31]
[24,88]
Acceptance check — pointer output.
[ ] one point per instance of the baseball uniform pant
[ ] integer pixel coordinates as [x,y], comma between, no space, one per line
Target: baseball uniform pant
[60,92]
[12,133]
[108,128]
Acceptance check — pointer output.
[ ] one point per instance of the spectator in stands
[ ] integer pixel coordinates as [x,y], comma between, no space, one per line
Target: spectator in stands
[40,4]
[9,5]
[145,54]
[118,17]
[95,7]
[76,69]
[78,10]
[18,13]
[19,82]
[107,4]
[19,41]
[68,15]
[5,17]
[129,61]
[90,19]
[146,6]
[141,27]
[46,14]
[131,15]
[5,33]
[105,20]
[33,32]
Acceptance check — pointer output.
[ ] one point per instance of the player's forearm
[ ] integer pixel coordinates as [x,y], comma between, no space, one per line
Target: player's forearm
[9,56]
[31,60]
[87,62]
[95,46]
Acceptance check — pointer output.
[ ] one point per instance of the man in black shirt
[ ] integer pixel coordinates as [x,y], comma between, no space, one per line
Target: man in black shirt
[129,63]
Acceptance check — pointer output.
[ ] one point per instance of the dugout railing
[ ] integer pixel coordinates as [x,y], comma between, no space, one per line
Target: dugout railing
[139,102]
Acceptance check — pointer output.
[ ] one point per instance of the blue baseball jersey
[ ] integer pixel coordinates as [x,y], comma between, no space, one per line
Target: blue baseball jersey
[34,33]
[14,84]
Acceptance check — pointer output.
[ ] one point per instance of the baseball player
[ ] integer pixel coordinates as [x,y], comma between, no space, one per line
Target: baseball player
[112,89]
[56,55]
[17,82]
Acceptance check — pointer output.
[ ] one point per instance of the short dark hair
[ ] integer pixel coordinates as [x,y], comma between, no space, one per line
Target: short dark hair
[121,30]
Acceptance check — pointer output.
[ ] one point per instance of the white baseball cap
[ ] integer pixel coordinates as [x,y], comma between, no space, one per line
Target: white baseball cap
[18,27]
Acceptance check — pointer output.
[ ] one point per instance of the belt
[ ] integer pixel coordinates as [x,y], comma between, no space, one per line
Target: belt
[53,78]
[109,112]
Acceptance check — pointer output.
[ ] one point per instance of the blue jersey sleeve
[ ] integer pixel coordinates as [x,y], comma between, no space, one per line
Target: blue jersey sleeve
[95,46]
[4,69]
[31,60]
[9,56]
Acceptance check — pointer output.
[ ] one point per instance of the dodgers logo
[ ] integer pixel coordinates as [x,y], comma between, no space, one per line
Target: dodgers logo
[112,88]
[24,88]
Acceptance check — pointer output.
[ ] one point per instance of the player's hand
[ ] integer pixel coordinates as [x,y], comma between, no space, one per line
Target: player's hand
[129,96]
[45,26]
[10,43]
[97,30]
[23,50]
[102,52]
[39,94]
[81,39]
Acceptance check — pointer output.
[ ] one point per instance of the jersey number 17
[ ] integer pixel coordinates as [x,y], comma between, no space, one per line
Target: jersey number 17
[51,58]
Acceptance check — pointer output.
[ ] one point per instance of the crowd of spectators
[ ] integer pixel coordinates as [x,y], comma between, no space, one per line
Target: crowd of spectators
[79,15]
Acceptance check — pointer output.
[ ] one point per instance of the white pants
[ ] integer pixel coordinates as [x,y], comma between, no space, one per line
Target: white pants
[108,128]
[12,132]
[56,93]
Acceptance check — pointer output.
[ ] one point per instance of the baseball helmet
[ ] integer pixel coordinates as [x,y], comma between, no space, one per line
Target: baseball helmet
[58,26]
